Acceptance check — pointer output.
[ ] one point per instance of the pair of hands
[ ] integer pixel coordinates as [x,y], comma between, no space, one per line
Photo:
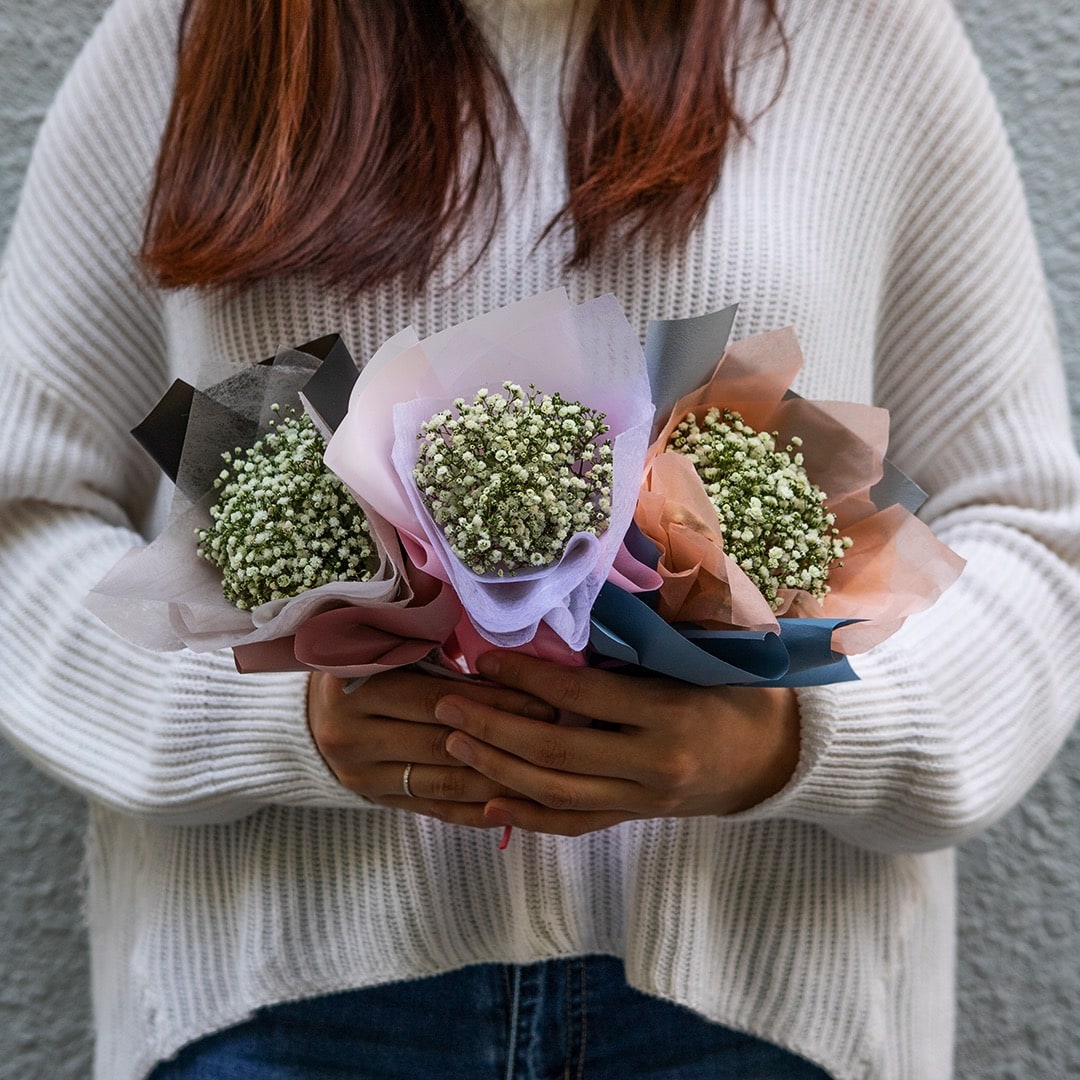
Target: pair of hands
[491,755]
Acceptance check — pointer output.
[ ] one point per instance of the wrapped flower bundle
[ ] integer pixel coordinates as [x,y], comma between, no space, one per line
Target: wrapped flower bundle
[532,463]
[265,547]
[531,479]
[511,478]
[282,522]
[772,516]
[785,539]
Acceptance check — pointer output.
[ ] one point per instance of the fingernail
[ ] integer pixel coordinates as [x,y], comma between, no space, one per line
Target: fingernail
[449,713]
[497,816]
[459,747]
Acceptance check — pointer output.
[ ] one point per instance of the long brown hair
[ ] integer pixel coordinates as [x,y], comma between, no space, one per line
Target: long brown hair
[359,138]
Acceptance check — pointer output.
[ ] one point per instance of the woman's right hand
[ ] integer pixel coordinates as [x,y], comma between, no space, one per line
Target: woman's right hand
[370,736]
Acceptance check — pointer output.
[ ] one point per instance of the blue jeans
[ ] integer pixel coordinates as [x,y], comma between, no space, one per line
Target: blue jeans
[557,1020]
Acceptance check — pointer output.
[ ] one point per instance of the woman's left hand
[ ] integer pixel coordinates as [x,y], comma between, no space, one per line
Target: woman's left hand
[667,749]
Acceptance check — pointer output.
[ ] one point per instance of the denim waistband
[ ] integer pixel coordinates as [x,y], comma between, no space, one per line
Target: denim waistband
[566,1019]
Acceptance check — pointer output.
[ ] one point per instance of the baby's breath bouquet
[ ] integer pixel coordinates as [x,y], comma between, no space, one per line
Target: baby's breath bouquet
[283,523]
[511,476]
[530,479]
[267,552]
[773,518]
[507,452]
[780,548]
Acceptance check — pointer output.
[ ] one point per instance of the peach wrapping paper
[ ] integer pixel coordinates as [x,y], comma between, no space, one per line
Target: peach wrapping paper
[895,567]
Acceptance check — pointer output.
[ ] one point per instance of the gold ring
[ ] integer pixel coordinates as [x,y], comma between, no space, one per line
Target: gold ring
[405,781]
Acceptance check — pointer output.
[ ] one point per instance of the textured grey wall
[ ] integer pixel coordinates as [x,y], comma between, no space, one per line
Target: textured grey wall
[44,1010]
[1020,883]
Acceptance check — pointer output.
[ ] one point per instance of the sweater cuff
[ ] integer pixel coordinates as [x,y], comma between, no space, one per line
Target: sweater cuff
[268,754]
[859,742]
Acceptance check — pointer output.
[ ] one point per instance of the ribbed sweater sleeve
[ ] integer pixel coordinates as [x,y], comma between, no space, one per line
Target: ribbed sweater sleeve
[956,716]
[82,357]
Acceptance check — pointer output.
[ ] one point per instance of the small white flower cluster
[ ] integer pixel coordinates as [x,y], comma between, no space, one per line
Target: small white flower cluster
[773,518]
[511,478]
[284,523]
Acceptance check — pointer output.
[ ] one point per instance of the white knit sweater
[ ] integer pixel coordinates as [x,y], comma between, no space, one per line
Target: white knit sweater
[876,207]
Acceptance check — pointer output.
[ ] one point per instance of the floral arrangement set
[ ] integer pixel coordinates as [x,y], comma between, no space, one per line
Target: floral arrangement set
[532,479]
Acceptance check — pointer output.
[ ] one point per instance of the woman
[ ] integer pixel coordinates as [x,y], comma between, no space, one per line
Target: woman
[780,866]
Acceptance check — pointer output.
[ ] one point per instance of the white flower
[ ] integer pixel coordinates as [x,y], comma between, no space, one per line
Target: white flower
[773,518]
[548,485]
[264,537]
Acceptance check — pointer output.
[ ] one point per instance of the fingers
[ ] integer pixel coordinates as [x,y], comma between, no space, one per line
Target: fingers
[366,738]
[353,741]
[551,747]
[430,783]
[555,788]
[486,756]
[705,754]
[409,695]
[599,695]
[517,813]
[368,752]
[369,757]
[470,815]
[454,795]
